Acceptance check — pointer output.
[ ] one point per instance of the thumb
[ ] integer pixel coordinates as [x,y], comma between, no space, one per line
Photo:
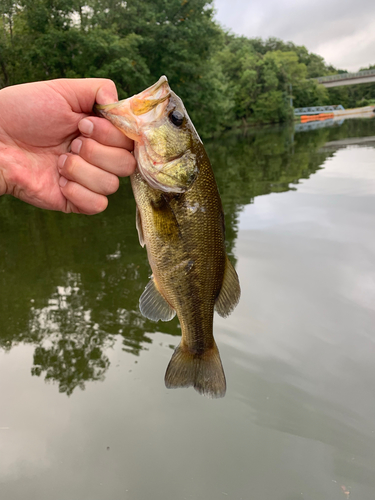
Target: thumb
[82,93]
[107,93]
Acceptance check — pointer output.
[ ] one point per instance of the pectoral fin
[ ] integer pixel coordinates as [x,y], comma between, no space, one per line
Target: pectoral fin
[138,224]
[153,305]
[230,291]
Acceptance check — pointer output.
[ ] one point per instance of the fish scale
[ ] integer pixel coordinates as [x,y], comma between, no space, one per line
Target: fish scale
[180,220]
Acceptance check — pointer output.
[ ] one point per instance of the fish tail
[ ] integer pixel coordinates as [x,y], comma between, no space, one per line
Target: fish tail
[203,371]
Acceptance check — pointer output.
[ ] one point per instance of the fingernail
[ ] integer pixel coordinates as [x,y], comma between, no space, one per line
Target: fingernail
[76,146]
[63,181]
[105,96]
[61,161]
[86,126]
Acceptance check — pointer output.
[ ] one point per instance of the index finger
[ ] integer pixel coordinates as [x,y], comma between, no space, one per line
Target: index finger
[102,131]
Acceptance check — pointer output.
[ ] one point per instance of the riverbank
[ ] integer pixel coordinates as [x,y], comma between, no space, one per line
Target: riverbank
[336,114]
[354,111]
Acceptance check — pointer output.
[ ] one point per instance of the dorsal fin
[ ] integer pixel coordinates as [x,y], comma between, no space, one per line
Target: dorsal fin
[153,305]
[230,291]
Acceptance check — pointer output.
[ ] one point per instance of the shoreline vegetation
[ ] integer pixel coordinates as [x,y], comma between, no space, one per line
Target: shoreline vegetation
[226,81]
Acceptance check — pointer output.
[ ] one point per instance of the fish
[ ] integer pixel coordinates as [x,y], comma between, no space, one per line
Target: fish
[180,221]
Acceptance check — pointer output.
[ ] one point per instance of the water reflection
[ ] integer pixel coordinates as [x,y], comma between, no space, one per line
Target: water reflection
[301,410]
[70,284]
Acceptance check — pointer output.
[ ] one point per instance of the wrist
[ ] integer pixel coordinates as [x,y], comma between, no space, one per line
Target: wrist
[4,169]
[6,149]
[3,162]
[8,160]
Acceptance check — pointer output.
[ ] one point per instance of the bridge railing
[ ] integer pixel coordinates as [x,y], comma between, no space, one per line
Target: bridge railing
[314,110]
[345,76]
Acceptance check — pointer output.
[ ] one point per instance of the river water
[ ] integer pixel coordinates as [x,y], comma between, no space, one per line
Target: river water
[84,414]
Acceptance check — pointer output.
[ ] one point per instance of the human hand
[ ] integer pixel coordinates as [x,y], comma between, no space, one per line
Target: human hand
[53,154]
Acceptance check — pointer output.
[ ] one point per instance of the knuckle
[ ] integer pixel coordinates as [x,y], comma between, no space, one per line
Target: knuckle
[106,133]
[100,204]
[71,191]
[88,149]
[127,164]
[70,166]
[111,185]
[131,163]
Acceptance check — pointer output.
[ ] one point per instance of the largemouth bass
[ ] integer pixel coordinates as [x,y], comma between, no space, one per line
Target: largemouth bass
[180,220]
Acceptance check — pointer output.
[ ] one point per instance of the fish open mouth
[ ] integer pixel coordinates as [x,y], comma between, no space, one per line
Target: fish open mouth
[130,115]
[150,98]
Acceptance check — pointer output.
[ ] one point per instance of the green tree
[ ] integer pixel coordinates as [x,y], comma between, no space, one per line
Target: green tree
[224,80]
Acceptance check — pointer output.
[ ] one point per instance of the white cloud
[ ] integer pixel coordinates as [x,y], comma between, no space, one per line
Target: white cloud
[352,52]
[342,31]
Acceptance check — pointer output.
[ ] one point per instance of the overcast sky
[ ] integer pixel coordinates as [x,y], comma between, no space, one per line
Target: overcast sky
[342,31]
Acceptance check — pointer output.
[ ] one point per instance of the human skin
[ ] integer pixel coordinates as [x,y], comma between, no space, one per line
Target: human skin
[53,153]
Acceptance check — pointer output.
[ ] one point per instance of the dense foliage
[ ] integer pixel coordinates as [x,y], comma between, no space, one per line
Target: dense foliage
[223,79]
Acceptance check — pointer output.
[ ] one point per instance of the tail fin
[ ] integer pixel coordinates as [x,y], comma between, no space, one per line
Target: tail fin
[203,371]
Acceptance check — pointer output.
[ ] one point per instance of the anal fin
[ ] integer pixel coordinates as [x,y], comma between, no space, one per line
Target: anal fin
[153,305]
[230,292]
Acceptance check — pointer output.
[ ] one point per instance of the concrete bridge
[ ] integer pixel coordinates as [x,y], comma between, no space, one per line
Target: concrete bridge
[347,78]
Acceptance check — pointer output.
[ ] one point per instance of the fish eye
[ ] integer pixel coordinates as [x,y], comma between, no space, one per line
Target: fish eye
[176,118]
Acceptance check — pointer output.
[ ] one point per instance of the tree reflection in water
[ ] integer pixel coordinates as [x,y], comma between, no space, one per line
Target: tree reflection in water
[70,284]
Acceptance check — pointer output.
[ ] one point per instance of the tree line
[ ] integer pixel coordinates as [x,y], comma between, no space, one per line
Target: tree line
[224,80]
